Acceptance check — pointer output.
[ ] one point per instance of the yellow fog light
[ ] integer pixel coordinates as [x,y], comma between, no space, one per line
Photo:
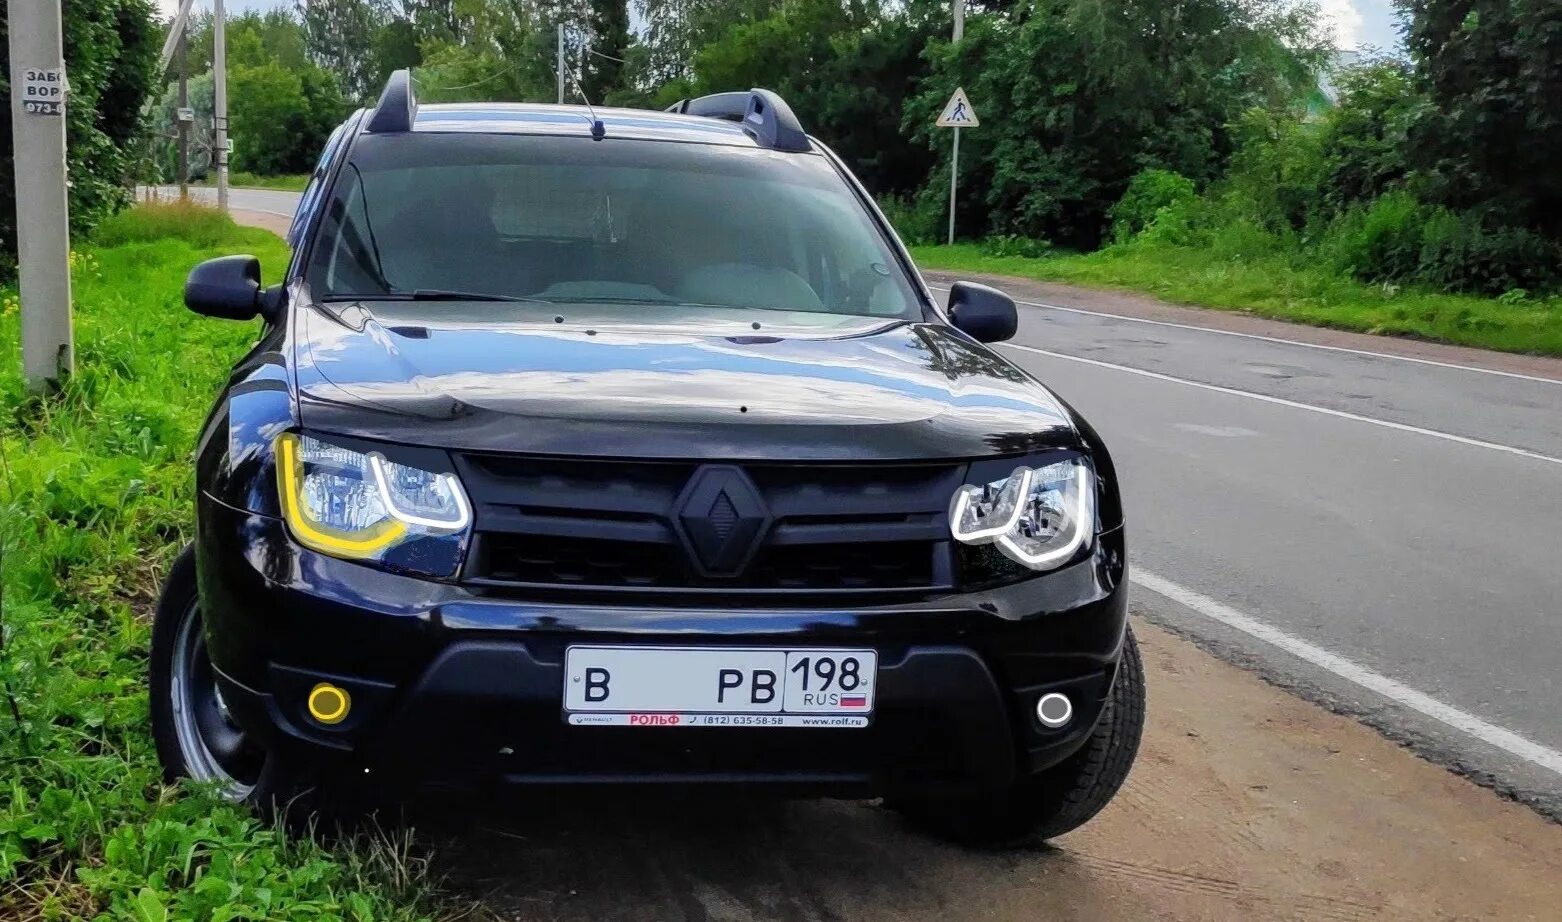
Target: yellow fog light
[329,704]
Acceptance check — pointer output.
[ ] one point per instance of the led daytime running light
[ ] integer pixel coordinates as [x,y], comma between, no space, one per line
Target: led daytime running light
[1083,525]
[310,533]
[382,481]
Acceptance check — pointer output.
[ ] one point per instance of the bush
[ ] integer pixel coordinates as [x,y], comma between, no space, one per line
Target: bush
[1149,193]
[1398,239]
[1015,245]
[915,218]
[1379,242]
[1466,253]
[1364,137]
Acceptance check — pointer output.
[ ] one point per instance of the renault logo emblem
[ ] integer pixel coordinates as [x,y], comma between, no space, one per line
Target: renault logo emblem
[721,519]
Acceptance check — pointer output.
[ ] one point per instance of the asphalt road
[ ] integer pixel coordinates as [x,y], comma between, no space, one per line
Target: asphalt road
[1403,519]
[1383,533]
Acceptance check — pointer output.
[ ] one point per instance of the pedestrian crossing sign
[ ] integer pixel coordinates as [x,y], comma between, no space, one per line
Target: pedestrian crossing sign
[958,112]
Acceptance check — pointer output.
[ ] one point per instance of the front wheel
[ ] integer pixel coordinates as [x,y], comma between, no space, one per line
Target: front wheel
[1063,797]
[196,736]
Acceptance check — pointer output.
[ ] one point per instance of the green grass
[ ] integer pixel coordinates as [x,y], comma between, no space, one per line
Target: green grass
[294,182]
[96,489]
[1274,286]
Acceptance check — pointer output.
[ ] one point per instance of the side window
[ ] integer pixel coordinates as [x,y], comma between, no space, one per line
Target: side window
[310,200]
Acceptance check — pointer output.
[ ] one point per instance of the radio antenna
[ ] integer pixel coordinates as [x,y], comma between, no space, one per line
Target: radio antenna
[598,130]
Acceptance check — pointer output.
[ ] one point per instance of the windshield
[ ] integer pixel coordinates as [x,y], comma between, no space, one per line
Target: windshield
[473,217]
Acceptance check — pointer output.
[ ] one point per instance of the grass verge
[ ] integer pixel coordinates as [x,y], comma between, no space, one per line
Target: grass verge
[292,182]
[96,490]
[1275,287]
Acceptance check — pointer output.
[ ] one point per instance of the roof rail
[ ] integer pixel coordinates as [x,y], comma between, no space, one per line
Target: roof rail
[397,107]
[764,115]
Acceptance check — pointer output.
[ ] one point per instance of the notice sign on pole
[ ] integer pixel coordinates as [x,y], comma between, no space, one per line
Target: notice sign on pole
[958,112]
[43,91]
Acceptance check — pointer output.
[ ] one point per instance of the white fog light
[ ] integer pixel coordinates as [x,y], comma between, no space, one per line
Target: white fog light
[1054,710]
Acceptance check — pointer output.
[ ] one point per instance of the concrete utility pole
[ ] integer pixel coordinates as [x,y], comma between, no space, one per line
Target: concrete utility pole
[954,157]
[220,109]
[561,64]
[38,99]
[184,123]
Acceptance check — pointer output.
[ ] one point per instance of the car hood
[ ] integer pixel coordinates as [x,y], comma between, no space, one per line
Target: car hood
[661,383]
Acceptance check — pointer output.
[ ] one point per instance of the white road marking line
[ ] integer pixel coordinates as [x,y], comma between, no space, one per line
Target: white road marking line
[1402,427]
[1420,702]
[1286,342]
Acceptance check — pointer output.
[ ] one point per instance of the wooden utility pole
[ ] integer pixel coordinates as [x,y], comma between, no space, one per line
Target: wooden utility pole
[38,100]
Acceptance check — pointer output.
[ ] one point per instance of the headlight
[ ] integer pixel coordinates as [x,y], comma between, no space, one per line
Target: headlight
[1037,517]
[363,507]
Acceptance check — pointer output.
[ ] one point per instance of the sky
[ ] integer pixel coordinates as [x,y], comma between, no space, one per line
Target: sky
[1356,22]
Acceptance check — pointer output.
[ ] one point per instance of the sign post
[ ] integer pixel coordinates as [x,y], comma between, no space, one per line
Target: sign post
[957,114]
[38,99]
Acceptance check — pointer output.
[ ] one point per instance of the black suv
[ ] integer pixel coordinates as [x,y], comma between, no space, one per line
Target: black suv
[612,446]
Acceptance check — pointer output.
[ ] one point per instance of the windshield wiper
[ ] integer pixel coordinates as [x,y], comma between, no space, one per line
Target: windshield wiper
[430,294]
[609,299]
[445,294]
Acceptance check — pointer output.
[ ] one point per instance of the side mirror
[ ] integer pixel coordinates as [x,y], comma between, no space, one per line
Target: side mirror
[985,314]
[228,287]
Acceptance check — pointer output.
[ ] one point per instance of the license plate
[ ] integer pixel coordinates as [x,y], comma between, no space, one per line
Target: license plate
[718,687]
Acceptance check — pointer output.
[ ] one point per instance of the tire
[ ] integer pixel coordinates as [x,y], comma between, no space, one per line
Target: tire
[1063,797]
[188,719]
[195,738]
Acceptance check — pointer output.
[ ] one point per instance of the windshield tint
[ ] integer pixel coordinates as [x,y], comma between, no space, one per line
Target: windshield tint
[523,218]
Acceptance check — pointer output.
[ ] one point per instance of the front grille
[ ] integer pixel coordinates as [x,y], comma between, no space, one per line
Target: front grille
[639,525]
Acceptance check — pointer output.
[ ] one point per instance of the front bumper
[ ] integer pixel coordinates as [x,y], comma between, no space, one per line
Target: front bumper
[464,685]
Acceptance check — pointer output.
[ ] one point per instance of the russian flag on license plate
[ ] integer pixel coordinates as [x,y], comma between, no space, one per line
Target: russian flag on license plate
[854,701]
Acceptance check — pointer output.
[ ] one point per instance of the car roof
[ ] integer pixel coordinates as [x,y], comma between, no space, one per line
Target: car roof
[565,120]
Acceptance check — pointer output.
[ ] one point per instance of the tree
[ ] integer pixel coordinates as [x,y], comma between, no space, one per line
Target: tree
[676,29]
[110,54]
[1090,93]
[845,69]
[340,36]
[1491,138]
[608,28]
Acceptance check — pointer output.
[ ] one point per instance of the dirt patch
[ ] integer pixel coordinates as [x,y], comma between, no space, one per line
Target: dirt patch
[275,223]
[1143,307]
[1246,803]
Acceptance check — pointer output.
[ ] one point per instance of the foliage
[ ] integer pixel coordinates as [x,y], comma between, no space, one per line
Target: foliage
[1091,93]
[1011,245]
[341,37]
[913,219]
[1467,252]
[282,104]
[195,224]
[1491,137]
[279,119]
[109,56]
[1149,193]
[95,500]
[1363,144]
[1381,241]
[164,129]
[608,24]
